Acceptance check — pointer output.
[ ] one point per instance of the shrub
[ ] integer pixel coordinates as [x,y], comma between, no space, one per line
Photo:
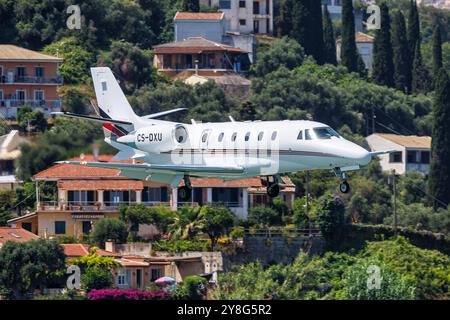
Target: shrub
[195,287]
[95,278]
[109,229]
[261,215]
[127,294]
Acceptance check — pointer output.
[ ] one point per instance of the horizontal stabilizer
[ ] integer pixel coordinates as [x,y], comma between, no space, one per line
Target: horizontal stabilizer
[381,152]
[91,118]
[163,113]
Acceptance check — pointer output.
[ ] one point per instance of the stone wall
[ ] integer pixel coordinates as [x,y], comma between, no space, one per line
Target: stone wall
[270,250]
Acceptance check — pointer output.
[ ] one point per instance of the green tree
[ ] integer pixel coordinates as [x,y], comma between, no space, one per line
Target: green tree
[74,100]
[195,287]
[95,279]
[7,203]
[402,71]
[27,266]
[109,229]
[284,20]
[413,31]
[131,64]
[392,285]
[315,33]
[300,22]
[437,50]
[383,65]
[328,38]
[77,59]
[421,79]
[349,53]
[282,52]
[217,222]
[330,217]
[30,120]
[440,148]
[264,216]
[186,223]
[191,5]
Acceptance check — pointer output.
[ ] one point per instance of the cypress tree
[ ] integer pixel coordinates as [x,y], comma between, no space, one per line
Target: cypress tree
[349,53]
[315,30]
[285,19]
[421,79]
[437,50]
[383,65]
[439,177]
[402,70]
[191,5]
[413,28]
[329,41]
[300,16]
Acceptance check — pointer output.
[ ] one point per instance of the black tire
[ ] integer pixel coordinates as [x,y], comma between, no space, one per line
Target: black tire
[184,193]
[273,190]
[344,187]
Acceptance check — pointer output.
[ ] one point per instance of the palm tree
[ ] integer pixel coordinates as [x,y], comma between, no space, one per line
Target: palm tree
[187,223]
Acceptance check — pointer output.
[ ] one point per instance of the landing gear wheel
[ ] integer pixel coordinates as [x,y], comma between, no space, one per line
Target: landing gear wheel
[344,187]
[273,190]
[184,193]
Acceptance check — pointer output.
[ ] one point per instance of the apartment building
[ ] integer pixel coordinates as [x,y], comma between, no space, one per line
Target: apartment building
[87,194]
[28,77]
[246,16]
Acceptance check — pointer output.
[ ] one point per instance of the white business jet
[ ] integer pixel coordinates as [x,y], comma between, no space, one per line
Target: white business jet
[168,152]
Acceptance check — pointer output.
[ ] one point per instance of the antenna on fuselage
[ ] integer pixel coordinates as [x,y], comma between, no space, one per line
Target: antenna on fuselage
[193,122]
[231,118]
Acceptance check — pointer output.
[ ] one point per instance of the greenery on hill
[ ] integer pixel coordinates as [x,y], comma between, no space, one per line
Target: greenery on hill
[407,271]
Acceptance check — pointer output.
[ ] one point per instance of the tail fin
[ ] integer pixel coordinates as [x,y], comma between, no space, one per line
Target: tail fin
[110,98]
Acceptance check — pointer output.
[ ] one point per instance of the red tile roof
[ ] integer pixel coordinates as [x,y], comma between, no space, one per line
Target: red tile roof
[67,171]
[80,250]
[16,234]
[15,53]
[199,16]
[194,45]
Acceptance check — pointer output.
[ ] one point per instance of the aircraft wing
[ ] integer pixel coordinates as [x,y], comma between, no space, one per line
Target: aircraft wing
[171,169]
[91,118]
[381,152]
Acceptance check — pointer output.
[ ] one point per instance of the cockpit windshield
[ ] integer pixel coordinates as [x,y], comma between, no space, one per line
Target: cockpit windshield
[325,133]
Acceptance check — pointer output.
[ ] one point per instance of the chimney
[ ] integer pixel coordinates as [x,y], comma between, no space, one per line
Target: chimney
[110,246]
[95,151]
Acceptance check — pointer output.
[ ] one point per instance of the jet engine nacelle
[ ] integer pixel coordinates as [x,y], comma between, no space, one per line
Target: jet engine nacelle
[160,138]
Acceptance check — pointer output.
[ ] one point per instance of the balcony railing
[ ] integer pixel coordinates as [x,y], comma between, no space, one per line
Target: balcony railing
[15,103]
[27,79]
[74,206]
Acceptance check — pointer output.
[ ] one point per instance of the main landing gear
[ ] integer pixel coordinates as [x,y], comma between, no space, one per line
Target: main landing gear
[273,187]
[344,187]
[185,192]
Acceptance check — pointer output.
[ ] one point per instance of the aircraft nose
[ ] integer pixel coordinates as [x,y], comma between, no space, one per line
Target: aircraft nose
[360,155]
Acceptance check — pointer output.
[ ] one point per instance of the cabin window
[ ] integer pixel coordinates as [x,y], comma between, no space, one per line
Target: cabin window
[308,134]
[233,137]
[221,137]
[104,86]
[247,136]
[300,135]
[205,137]
[260,136]
[325,133]
[274,135]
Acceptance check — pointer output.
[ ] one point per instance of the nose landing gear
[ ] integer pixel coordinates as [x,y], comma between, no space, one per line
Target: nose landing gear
[273,187]
[185,192]
[344,187]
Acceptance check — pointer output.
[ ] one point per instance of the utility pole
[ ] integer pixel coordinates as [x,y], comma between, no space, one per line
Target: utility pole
[395,203]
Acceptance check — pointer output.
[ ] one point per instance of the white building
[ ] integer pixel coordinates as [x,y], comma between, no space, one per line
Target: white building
[412,153]
[364,44]
[246,16]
